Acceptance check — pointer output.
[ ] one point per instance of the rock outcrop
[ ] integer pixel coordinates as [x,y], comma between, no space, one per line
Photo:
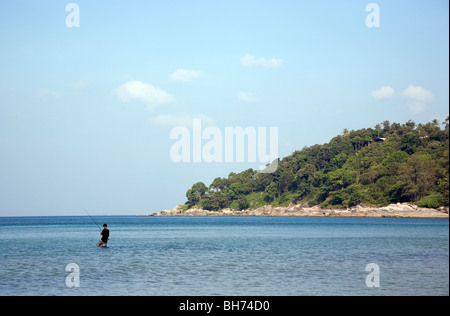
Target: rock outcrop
[399,210]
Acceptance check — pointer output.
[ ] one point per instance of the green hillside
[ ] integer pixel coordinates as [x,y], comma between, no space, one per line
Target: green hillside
[386,164]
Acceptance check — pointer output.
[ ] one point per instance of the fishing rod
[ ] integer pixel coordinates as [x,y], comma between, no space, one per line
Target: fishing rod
[92,219]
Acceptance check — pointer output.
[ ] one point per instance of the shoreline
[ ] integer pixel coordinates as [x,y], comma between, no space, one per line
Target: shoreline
[399,210]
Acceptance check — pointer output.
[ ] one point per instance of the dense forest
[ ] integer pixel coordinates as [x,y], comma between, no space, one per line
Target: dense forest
[386,164]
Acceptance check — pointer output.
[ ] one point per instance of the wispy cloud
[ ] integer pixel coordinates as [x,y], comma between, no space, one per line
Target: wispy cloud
[246,97]
[417,99]
[184,75]
[145,93]
[383,93]
[83,83]
[47,94]
[180,119]
[250,61]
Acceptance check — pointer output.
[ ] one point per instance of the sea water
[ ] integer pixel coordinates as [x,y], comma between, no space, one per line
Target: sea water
[251,256]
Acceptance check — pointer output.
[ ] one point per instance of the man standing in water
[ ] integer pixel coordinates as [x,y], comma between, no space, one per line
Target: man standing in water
[105,235]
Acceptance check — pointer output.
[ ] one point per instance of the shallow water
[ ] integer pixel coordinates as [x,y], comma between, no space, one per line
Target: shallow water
[224,256]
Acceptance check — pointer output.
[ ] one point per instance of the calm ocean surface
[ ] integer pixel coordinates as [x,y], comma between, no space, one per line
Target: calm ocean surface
[224,256]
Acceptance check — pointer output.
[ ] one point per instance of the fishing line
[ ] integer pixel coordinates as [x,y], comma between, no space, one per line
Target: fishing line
[92,219]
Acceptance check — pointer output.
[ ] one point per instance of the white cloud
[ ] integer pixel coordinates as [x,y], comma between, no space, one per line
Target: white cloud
[417,98]
[47,94]
[180,119]
[83,83]
[249,61]
[145,93]
[383,93]
[246,97]
[184,75]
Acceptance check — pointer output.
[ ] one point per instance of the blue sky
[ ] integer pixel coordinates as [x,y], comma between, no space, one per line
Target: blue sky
[86,112]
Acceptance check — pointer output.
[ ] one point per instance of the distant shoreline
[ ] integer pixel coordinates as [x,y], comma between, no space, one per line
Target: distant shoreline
[399,210]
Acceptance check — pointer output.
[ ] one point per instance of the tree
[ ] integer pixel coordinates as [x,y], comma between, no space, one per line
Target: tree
[304,188]
[215,201]
[378,129]
[196,193]
[307,172]
[236,190]
[192,197]
[200,188]
[386,126]
[219,184]
[243,203]
[338,198]
[345,132]
[416,176]
[272,190]
[410,142]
